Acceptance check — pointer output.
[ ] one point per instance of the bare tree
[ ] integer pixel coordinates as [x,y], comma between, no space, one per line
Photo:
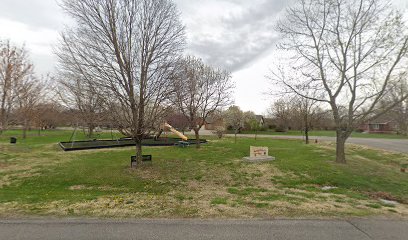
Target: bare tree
[398,114]
[280,111]
[349,51]
[253,122]
[30,92]
[48,115]
[199,91]
[128,49]
[15,68]
[307,110]
[298,113]
[235,118]
[401,110]
[83,96]
[178,121]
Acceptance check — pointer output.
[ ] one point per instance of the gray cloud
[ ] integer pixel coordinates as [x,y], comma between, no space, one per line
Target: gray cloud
[245,36]
[228,33]
[33,13]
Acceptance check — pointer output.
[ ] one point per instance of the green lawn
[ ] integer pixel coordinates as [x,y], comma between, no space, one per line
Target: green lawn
[324,134]
[37,178]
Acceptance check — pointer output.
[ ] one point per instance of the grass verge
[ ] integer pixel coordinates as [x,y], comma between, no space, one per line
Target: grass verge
[38,178]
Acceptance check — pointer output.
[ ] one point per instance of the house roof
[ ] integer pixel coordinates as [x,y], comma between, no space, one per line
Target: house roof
[380,123]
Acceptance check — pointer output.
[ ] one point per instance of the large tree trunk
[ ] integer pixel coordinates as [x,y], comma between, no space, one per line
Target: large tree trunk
[138,140]
[307,135]
[24,132]
[90,131]
[3,113]
[197,136]
[340,147]
[2,121]
[138,151]
[137,132]
[306,119]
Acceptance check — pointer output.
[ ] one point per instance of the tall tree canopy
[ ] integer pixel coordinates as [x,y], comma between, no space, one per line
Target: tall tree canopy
[127,48]
[349,53]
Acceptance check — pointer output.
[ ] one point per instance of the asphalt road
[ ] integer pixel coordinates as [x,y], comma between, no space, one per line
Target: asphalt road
[394,145]
[360,229]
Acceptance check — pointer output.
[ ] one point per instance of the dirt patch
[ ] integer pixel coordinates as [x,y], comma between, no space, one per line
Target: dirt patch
[382,195]
[4,165]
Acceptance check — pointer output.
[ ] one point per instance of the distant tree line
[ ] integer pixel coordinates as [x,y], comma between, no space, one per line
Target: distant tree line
[24,96]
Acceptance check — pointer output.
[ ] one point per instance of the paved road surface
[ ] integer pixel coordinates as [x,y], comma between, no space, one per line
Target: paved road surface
[394,145]
[204,229]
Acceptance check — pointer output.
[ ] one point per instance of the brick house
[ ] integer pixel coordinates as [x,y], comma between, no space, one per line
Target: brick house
[380,125]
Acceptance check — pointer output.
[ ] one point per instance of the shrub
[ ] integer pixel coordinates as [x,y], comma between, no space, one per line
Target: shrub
[219,132]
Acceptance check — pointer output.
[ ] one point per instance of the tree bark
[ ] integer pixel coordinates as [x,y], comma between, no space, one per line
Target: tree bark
[340,147]
[306,118]
[2,121]
[91,131]
[24,132]
[3,111]
[197,136]
[138,151]
[307,135]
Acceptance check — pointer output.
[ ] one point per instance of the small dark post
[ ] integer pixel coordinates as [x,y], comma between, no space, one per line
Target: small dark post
[13,140]
[133,162]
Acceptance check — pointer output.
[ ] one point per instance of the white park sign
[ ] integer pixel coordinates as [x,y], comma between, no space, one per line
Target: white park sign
[258,154]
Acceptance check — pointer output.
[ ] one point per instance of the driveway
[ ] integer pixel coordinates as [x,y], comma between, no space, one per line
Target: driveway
[360,229]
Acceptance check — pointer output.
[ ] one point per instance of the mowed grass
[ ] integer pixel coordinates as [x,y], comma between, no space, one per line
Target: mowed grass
[325,134]
[38,178]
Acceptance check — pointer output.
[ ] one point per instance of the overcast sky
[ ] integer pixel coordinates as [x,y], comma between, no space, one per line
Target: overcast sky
[235,34]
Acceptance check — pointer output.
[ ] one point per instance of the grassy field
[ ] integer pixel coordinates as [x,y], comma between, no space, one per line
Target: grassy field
[325,134]
[37,178]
